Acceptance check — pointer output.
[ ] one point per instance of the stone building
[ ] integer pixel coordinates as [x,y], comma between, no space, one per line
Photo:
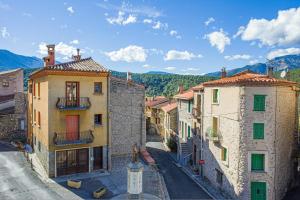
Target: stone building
[169,112]
[127,119]
[68,109]
[185,120]
[248,131]
[12,105]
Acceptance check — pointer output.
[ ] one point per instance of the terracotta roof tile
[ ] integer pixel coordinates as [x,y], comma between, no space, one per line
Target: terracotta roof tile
[170,106]
[248,78]
[187,95]
[156,101]
[198,87]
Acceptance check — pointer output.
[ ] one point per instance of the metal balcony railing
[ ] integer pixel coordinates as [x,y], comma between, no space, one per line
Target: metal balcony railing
[83,137]
[74,103]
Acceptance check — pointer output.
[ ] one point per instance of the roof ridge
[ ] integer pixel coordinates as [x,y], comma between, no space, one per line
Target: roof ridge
[70,62]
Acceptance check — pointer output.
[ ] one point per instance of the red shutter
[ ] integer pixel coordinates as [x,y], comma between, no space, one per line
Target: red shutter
[72,127]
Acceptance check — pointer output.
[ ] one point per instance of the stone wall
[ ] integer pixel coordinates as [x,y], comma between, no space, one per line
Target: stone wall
[184,116]
[128,125]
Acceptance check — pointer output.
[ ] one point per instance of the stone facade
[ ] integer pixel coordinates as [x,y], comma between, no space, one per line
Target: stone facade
[184,117]
[235,124]
[11,82]
[127,120]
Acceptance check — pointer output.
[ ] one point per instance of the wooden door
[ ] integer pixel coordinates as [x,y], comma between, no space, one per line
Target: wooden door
[98,158]
[72,127]
[258,191]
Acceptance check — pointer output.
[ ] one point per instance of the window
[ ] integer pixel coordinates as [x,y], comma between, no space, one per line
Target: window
[189,131]
[257,162]
[215,127]
[5,83]
[39,118]
[30,88]
[216,95]
[258,130]
[219,177]
[22,124]
[190,107]
[98,87]
[224,154]
[34,116]
[98,119]
[33,89]
[34,139]
[39,146]
[39,89]
[259,102]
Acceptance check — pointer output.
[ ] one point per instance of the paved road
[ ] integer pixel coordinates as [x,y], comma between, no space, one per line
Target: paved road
[18,181]
[179,185]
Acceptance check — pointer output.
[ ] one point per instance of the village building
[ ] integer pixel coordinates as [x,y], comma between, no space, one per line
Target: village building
[249,126]
[185,122]
[12,105]
[169,120]
[70,105]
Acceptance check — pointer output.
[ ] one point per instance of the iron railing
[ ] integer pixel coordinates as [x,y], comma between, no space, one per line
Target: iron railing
[83,137]
[73,103]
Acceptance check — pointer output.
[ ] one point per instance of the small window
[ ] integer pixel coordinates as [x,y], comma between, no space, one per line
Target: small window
[215,127]
[39,89]
[5,83]
[190,107]
[189,131]
[34,116]
[98,87]
[219,177]
[224,154]
[258,130]
[98,119]
[259,102]
[39,118]
[22,124]
[34,139]
[39,146]
[216,94]
[33,89]
[257,162]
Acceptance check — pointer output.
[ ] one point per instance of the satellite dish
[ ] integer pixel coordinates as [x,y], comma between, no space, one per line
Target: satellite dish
[283,74]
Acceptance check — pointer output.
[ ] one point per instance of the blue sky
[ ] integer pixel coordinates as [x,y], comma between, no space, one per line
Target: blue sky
[185,37]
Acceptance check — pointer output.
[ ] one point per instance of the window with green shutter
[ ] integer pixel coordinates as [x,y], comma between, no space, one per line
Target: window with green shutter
[190,106]
[257,162]
[189,131]
[224,154]
[215,95]
[258,130]
[182,129]
[259,102]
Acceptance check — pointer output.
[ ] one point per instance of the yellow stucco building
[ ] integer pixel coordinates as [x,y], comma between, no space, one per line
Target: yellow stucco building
[68,115]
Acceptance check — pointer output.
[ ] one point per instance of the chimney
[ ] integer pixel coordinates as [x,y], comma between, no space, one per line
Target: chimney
[223,72]
[50,59]
[180,89]
[270,72]
[78,56]
[129,76]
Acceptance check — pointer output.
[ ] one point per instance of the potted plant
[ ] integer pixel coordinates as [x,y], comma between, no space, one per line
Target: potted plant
[99,192]
[74,183]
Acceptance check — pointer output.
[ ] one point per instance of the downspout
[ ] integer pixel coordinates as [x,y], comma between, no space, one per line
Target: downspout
[275,134]
[108,121]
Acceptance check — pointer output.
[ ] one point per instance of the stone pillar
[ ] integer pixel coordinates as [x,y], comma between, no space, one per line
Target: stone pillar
[135,180]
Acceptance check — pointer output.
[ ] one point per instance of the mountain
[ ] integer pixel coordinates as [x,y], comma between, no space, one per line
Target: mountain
[157,72]
[278,63]
[9,60]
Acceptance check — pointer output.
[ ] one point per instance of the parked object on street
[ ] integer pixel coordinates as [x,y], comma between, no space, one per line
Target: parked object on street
[99,193]
[74,183]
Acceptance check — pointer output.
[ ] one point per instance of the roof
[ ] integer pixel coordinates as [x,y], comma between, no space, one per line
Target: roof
[198,87]
[249,78]
[125,81]
[10,71]
[169,107]
[186,95]
[156,101]
[85,65]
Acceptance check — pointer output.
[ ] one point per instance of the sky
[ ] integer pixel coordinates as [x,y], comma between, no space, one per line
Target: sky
[184,37]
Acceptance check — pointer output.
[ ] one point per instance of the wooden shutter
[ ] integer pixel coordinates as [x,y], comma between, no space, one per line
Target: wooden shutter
[39,89]
[257,162]
[224,154]
[258,190]
[33,88]
[189,131]
[39,118]
[258,130]
[259,102]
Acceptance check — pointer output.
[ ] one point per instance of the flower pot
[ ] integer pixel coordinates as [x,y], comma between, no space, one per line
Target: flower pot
[99,193]
[74,184]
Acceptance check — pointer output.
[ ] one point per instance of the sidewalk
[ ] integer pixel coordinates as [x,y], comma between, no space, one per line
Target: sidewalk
[205,185]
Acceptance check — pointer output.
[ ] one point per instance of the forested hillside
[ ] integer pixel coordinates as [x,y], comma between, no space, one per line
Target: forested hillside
[156,84]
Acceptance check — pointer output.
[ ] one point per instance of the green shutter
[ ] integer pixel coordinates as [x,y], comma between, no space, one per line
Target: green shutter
[189,131]
[258,130]
[189,107]
[224,154]
[257,162]
[258,191]
[259,102]
[182,129]
[215,95]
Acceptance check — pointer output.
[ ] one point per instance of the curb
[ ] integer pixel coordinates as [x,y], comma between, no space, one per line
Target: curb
[189,175]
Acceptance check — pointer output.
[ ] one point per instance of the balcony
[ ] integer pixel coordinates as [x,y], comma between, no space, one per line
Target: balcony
[196,113]
[84,137]
[214,135]
[82,103]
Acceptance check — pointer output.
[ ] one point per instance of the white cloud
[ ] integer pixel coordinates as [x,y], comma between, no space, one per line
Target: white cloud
[283,52]
[180,55]
[175,34]
[61,48]
[4,32]
[121,19]
[158,25]
[190,69]
[209,20]
[218,39]
[52,18]
[283,30]
[148,66]
[239,32]
[70,9]
[170,68]
[147,21]
[238,57]
[25,14]
[4,6]
[132,53]
[252,62]
[74,42]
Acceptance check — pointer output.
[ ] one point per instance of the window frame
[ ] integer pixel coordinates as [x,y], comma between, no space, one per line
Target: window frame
[257,108]
[251,162]
[218,96]
[254,129]
[39,119]
[100,86]
[101,119]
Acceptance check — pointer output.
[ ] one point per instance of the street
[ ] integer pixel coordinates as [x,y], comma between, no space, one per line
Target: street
[17,179]
[179,185]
